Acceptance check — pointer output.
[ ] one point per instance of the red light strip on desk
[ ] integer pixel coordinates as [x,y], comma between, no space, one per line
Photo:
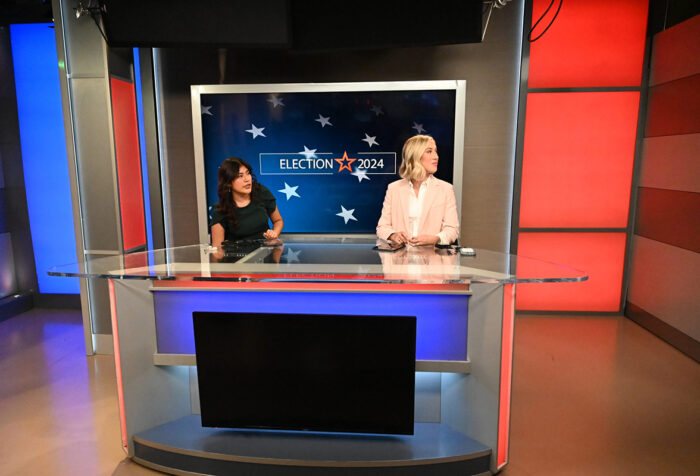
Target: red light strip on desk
[118,365]
[310,285]
[506,374]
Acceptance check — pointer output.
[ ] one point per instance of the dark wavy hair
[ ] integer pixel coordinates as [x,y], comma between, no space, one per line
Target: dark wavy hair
[228,172]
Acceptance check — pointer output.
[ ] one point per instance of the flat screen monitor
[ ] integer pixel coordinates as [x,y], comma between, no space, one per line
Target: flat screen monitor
[326,151]
[326,373]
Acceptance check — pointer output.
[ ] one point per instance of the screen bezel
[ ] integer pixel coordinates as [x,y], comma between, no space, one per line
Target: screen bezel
[218,355]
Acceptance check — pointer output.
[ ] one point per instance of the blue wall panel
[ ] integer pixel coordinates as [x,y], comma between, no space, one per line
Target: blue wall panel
[44,156]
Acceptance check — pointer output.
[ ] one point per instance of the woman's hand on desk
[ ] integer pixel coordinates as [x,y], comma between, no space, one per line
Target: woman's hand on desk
[217,253]
[421,240]
[270,235]
[399,237]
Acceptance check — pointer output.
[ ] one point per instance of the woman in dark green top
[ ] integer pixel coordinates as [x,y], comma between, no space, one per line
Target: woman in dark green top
[244,206]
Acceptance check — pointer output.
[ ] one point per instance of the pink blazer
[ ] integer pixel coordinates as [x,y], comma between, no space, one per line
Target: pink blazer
[439,212]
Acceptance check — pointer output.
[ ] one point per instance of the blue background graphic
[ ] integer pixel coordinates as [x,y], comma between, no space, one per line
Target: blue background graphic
[294,125]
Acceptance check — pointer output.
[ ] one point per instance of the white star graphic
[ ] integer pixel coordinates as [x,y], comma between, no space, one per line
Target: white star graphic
[418,127]
[370,140]
[325,121]
[256,131]
[292,256]
[308,153]
[275,101]
[346,214]
[205,110]
[290,191]
[360,174]
[376,110]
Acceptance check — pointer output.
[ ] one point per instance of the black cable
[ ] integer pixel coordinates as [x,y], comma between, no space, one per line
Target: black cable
[551,4]
[97,22]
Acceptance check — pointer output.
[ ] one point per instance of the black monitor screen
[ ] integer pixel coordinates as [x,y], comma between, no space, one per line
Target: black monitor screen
[351,374]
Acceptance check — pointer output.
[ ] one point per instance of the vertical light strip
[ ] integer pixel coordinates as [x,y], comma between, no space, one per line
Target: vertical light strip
[44,155]
[142,145]
[506,378]
[118,365]
[126,139]
[162,150]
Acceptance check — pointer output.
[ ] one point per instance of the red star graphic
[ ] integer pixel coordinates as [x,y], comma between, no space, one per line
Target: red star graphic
[345,159]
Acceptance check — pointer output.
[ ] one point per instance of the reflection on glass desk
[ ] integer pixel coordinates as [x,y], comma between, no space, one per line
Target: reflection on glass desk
[320,258]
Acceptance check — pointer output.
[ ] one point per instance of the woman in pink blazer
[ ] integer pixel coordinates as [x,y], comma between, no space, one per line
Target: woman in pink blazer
[419,209]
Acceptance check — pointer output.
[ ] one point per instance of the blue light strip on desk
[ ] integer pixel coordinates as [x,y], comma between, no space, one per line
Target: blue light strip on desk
[441,332]
[44,156]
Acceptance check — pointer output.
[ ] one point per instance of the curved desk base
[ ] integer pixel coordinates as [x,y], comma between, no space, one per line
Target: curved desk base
[184,445]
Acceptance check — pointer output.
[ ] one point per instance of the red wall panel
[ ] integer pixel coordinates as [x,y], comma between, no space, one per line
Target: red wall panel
[126,140]
[673,53]
[592,43]
[600,255]
[577,159]
[669,216]
[673,108]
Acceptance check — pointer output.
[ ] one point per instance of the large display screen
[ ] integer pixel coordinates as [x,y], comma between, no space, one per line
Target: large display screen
[326,151]
[352,374]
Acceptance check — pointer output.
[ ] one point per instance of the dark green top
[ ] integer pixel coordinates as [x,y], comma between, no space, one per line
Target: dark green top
[253,219]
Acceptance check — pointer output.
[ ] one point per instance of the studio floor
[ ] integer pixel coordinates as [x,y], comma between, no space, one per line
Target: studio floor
[591,396]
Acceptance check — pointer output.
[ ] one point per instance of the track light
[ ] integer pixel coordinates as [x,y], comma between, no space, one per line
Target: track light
[95,11]
[80,10]
[488,6]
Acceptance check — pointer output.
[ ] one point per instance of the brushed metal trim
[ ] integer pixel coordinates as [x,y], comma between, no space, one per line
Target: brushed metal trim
[448,366]
[69,131]
[103,344]
[174,359]
[306,290]
[162,150]
[636,167]
[458,154]
[166,469]
[293,462]
[520,113]
[102,252]
[358,86]
[199,172]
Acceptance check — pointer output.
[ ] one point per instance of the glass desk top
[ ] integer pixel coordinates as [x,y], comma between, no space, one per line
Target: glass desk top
[320,259]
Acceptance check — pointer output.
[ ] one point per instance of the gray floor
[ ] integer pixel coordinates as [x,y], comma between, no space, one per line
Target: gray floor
[591,396]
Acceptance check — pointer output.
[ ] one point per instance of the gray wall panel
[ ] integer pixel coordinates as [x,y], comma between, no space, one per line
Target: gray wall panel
[85,57]
[96,175]
[492,71]
[663,282]
[671,163]
[483,189]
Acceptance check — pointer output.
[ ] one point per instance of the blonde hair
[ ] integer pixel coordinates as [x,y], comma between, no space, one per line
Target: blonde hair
[413,148]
